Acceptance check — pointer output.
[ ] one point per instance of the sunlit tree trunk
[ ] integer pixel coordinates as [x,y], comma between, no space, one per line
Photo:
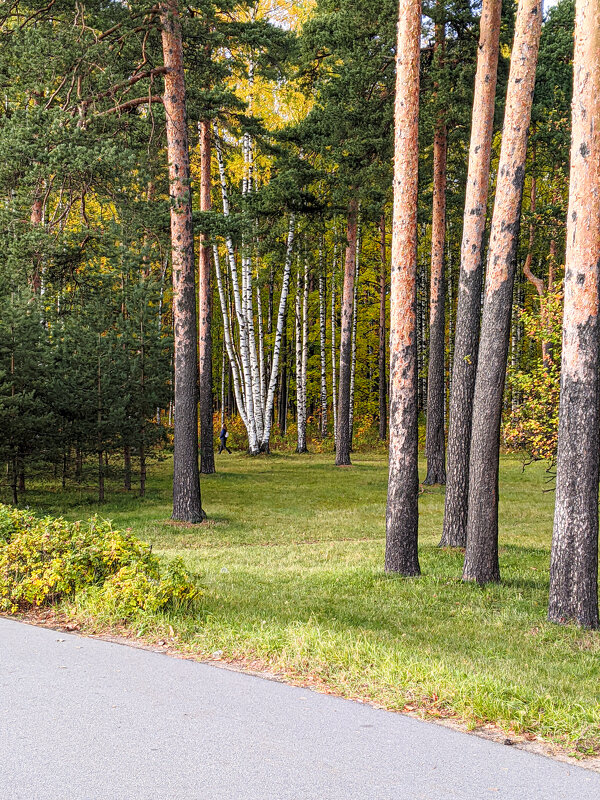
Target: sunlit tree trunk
[344,437]
[279,342]
[333,346]
[301,356]
[247,410]
[435,439]
[402,516]
[207,447]
[481,558]
[574,561]
[323,344]
[470,280]
[187,505]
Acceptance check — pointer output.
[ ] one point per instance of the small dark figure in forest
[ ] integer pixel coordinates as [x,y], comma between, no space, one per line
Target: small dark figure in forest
[223,439]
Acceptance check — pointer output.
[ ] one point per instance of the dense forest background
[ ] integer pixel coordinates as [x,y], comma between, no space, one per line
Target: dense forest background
[297,99]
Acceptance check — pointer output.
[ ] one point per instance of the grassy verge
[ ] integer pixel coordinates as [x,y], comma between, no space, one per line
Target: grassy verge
[292,566]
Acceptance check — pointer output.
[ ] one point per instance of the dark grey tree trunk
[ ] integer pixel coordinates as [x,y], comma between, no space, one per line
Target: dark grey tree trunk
[344,435]
[435,439]
[381,346]
[574,562]
[127,467]
[468,309]
[481,557]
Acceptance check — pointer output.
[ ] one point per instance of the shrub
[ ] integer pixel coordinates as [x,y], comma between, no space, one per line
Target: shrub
[46,560]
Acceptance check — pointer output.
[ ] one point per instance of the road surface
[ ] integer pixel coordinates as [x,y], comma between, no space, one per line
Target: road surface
[84,719]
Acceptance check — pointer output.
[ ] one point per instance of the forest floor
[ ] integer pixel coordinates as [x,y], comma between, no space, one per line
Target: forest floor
[292,565]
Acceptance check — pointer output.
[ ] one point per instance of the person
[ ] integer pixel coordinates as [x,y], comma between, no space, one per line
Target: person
[223,439]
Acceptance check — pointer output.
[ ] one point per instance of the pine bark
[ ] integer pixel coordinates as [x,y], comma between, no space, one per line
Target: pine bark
[435,439]
[381,337]
[205,384]
[481,557]
[574,560]
[343,436]
[470,280]
[402,516]
[187,505]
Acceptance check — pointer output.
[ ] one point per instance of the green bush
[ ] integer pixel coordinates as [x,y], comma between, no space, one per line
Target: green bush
[46,560]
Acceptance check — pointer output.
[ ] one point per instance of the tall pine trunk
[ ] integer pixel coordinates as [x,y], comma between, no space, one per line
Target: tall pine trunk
[205,393]
[344,436]
[323,343]
[187,505]
[470,280]
[381,337]
[481,558]
[402,516]
[574,561]
[435,439]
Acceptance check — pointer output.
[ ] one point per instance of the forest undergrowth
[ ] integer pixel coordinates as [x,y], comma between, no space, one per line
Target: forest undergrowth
[290,564]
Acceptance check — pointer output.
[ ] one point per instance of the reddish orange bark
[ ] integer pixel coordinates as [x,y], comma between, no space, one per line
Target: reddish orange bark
[471,272]
[402,519]
[574,562]
[481,557]
[187,505]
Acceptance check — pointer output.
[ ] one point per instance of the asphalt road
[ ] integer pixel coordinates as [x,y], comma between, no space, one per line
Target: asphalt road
[83,718]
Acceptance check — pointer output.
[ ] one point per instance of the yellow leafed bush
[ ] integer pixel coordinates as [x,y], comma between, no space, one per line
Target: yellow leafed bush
[46,560]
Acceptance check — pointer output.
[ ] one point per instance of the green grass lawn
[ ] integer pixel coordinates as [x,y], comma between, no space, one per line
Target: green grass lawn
[292,564]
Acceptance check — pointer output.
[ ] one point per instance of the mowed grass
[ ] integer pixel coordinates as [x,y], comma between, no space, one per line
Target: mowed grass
[292,565]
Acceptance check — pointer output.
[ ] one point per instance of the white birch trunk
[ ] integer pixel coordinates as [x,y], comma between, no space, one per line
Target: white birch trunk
[239,295]
[354,324]
[322,335]
[298,338]
[285,287]
[229,345]
[333,347]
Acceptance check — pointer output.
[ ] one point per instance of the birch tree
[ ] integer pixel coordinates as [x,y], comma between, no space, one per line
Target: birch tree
[402,516]
[344,436]
[246,358]
[323,340]
[574,561]
[207,448]
[481,558]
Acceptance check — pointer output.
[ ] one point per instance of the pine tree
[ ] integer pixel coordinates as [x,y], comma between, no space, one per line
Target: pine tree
[470,281]
[481,558]
[574,563]
[187,505]
[402,517]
